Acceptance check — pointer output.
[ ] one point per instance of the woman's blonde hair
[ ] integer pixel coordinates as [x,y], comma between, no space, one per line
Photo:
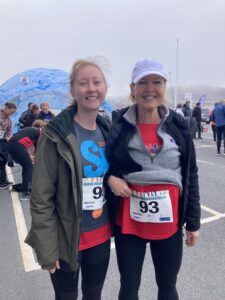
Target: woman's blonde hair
[99,62]
[39,123]
[44,104]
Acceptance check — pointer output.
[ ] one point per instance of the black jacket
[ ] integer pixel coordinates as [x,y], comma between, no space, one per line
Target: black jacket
[41,116]
[120,162]
[197,113]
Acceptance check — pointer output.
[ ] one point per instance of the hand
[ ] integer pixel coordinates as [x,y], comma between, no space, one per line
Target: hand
[32,157]
[57,266]
[119,186]
[191,238]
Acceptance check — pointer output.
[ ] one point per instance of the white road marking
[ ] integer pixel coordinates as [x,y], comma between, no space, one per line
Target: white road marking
[216,215]
[27,254]
[206,162]
[205,146]
[211,211]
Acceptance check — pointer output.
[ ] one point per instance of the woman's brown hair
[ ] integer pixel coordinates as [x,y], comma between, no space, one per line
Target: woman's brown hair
[10,105]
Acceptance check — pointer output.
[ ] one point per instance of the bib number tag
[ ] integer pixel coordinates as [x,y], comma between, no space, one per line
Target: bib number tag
[92,193]
[152,207]
[2,134]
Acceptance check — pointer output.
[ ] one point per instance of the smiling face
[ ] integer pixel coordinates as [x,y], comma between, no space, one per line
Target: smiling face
[45,108]
[89,88]
[149,92]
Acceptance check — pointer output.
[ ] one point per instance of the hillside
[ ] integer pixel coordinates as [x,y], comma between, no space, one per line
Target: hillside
[213,94]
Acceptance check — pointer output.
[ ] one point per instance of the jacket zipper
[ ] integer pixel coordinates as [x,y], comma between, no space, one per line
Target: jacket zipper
[143,146]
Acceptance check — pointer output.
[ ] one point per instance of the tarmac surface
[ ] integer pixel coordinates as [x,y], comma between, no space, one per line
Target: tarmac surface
[202,275]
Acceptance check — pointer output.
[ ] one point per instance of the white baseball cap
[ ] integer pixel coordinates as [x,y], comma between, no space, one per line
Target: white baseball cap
[147,67]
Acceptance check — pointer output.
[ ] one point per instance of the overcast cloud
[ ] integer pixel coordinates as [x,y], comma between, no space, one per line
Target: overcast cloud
[54,33]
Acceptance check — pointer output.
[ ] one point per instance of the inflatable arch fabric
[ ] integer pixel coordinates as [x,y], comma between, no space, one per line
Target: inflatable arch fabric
[38,85]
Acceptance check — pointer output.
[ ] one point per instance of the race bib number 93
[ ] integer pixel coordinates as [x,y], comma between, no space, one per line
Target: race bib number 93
[152,207]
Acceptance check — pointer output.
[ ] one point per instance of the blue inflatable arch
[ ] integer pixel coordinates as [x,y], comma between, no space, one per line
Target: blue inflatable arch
[38,85]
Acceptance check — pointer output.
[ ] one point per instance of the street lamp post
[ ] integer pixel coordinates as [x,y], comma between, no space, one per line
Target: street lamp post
[171,86]
[177,65]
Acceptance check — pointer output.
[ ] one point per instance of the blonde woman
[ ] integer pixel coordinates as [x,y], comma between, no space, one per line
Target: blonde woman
[70,227]
[152,184]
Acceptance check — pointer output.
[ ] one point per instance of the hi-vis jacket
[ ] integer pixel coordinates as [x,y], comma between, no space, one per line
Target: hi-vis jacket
[56,199]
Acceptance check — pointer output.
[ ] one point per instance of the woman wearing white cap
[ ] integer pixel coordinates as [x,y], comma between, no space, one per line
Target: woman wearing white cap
[152,184]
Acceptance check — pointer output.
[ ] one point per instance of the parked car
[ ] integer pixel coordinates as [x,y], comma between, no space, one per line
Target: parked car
[205,115]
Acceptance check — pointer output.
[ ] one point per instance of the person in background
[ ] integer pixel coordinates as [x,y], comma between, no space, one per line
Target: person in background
[213,124]
[178,109]
[70,227]
[152,184]
[218,116]
[197,114]
[45,114]
[30,117]
[22,118]
[21,147]
[5,133]
[187,109]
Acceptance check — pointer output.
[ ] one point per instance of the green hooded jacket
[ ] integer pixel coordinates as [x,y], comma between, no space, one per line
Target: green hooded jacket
[56,198]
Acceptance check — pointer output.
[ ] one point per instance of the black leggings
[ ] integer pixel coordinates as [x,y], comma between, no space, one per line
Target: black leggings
[166,256]
[214,131]
[94,264]
[20,154]
[220,130]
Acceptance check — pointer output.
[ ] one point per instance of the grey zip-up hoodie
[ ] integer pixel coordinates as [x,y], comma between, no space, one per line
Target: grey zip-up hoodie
[164,165]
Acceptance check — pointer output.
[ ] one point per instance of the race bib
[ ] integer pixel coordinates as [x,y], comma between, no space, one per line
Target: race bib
[92,193]
[152,207]
[2,134]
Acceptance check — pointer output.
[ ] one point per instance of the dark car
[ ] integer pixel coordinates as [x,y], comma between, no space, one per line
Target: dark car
[205,115]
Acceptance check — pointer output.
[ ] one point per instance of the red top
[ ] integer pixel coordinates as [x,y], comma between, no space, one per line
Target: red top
[149,230]
[95,237]
[26,142]
[212,122]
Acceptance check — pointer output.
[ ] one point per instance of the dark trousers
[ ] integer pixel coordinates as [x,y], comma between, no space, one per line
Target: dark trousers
[198,129]
[20,155]
[220,130]
[166,256]
[93,264]
[3,159]
[2,172]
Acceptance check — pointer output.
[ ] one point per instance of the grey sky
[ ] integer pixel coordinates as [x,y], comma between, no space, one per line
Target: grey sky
[54,33]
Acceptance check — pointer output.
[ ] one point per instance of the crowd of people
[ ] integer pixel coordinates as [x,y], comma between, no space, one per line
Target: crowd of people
[20,146]
[216,119]
[88,178]
[34,113]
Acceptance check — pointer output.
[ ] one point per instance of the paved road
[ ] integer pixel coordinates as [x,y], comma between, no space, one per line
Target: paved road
[202,276]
